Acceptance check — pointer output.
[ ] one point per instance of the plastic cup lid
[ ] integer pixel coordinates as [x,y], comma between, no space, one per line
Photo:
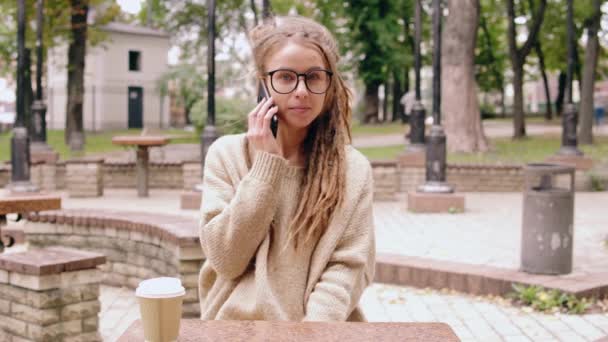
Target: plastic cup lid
[160,288]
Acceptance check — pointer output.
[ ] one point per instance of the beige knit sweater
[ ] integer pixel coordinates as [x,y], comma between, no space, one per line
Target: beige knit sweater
[248,273]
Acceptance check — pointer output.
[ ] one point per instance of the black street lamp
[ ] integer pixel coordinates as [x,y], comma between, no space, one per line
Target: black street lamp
[39,107]
[570,115]
[418,113]
[210,133]
[20,142]
[436,143]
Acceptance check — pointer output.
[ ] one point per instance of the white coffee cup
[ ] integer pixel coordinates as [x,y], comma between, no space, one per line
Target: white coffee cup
[160,305]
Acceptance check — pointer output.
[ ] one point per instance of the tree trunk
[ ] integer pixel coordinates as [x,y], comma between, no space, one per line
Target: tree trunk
[518,55]
[385,102]
[585,134]
[254,9]
[74,132]
[370,113]
[519,123]
[28,93]
[266,9]
[397,93]
[541,61]
[460,105]
[561,91]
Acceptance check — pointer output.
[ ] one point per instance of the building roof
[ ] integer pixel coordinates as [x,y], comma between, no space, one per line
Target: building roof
[134,29]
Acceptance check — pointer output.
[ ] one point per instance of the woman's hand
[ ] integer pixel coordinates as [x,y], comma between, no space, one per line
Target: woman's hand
[259,134]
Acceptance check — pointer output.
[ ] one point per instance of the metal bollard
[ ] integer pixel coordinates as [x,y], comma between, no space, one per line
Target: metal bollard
[548,217]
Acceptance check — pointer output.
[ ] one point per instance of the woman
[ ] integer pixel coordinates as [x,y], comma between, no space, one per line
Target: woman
[287,226]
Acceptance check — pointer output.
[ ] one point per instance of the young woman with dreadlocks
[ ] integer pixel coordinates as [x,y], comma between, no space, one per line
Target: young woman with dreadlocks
[286,223]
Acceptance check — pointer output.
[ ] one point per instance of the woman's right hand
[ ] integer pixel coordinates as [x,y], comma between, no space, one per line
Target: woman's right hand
[259,134]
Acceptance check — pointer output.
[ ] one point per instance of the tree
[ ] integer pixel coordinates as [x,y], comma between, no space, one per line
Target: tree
[375,35]
[190,86]
[491,56]
[460,105]
[74,130]
[585,135]
[518,56]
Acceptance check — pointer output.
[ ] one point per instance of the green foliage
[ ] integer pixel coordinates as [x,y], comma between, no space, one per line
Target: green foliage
[491,57]
[378,38]
[189,84]
[57,28]
[549,300]
[230,115]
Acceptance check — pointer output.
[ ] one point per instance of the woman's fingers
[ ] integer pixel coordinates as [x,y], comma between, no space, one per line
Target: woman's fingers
[259,118]
[267,118]
[251,116]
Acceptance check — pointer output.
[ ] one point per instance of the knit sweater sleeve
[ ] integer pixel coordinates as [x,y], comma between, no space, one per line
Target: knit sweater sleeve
[351,267]
[236,218]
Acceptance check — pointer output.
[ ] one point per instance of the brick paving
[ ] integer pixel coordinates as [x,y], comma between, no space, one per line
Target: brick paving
[471,318]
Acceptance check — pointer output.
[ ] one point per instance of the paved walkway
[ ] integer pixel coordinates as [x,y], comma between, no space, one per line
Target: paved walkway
[492,129]
[488,233]
[471,318]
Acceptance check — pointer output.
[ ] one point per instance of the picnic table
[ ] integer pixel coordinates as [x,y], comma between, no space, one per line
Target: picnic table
[21,204]
[142,143]
[198,330]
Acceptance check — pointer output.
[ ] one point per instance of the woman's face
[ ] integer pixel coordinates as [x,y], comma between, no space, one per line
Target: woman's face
[300,107]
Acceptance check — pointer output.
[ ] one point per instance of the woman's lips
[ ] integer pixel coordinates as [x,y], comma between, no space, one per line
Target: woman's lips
[299,109]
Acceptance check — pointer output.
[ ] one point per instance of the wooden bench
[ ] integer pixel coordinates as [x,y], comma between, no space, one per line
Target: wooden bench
[142,142]
[22,204]
[50,295]
[253,331]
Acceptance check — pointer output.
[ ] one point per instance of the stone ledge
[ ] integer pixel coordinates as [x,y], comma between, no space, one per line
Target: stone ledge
[180,230]
[479,279]
[48,261]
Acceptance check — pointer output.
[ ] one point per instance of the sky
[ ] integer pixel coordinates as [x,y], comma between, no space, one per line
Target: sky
[130,6]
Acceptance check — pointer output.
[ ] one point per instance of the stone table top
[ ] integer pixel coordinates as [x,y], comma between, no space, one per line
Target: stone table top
[23,203]
[141,140]
[197,330]
[51,260]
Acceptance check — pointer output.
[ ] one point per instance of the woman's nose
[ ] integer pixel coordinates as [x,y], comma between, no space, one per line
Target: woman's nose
[301,89]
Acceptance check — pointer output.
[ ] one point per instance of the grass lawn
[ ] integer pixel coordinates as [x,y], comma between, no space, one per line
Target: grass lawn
[505,151]
[95,142]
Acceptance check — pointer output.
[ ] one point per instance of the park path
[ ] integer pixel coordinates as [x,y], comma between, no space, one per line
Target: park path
[488,233]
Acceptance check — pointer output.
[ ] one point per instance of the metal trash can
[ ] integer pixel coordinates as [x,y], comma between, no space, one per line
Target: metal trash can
[548,217]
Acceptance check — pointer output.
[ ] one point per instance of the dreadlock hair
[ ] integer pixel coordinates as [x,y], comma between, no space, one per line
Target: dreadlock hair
[323,183]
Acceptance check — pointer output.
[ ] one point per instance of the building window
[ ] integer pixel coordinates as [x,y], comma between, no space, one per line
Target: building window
[134,61]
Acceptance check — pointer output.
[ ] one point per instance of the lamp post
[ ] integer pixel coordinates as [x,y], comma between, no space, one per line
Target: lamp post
[210,133]
[436,143]
[39,107]
[418,114]
[20,151]
[570,115]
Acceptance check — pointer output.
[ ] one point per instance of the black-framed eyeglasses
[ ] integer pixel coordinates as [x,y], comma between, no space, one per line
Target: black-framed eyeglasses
[284,81]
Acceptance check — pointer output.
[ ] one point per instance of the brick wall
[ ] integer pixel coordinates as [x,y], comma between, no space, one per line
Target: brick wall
[390,178]
[122,175]
[54,303]
[131,256]
[192,175]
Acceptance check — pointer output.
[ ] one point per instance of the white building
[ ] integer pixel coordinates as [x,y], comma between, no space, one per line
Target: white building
[120,81]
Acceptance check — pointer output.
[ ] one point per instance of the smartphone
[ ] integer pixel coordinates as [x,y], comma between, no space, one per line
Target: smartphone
[263,94]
